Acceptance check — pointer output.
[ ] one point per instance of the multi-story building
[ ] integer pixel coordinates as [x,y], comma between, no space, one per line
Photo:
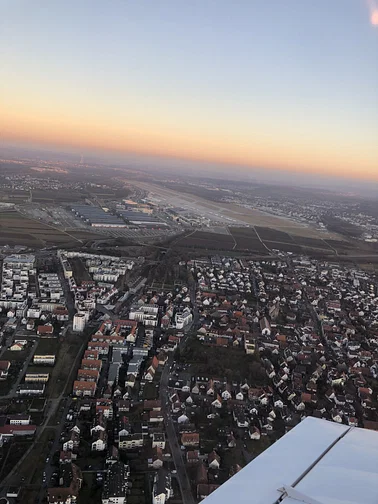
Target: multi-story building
[79,322]
[46,352]
[15,286]
[116,484]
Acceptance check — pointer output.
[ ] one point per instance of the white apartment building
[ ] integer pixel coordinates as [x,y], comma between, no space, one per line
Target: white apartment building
[79,322]
[183,318]
[147,314]
[14,290]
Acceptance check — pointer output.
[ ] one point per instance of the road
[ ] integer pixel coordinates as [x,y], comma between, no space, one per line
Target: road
[177,453]
[182,476]
[49,469]
[53,404]
[13,391]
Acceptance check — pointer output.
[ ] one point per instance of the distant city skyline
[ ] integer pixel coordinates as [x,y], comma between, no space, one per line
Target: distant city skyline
[278,87]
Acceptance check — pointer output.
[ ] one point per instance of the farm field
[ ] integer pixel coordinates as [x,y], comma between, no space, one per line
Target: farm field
[247,239]
[206,240]
[273,235]
[284,247]
[261,240]
[55,196]
[16,229]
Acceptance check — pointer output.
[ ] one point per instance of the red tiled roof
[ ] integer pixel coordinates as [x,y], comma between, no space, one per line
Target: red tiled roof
[91,363]
[4,365]
[10,429]
[90,373]
[45,329]
[84,385]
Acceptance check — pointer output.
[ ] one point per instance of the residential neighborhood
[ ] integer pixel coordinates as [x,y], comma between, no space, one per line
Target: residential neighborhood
[192,382]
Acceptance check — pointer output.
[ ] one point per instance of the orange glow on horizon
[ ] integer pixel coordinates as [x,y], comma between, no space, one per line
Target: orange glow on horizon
[253,150]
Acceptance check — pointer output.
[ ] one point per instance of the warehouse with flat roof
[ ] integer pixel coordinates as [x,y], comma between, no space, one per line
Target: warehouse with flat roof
[97,217]
[140,218]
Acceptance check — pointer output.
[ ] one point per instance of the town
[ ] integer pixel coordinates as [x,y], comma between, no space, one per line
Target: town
[115,389]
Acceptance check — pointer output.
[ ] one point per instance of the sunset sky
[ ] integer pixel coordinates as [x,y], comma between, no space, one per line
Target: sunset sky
[276,84]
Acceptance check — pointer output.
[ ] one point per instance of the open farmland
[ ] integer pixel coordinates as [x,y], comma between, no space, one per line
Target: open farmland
[205,240]
[16,229]
[238,239]
[284,247]
[262,241]
[247,239]
[55,196]
[275,235]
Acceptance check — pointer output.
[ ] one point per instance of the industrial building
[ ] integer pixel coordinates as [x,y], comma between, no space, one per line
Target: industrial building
[97,217]
[141,218]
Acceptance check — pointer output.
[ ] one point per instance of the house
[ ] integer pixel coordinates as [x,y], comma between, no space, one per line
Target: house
[104,407]
[4,368]
[241,420]
[201,474]
[84,388]
[116,484]
[162,358]
[156,459]
[90,354]
[158,440]
[45,352]
[231,441]
[150,373]
[16,347]
[152,405]
[226,394]
[66,457]
[162,489]
[91,363]
[73,441]
[100,441]
[190,439]
[30,324]
[192,456]
[249,344]
[254,433]
[10,431]
[89,375]
[213,460]
[112,456]
[45,330]
[99,423]
[130,380]
[124,428]
[205,489]
[32,376]
[155,417]
[32,389]
[102,347]
[70,481]
[217,403]
[123,406]
[19,419]
[265,327]
[130,441]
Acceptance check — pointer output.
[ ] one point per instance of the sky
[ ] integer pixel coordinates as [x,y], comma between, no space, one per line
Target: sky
[289,86]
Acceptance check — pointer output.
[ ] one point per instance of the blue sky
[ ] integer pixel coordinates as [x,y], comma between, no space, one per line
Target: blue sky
[291,84]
